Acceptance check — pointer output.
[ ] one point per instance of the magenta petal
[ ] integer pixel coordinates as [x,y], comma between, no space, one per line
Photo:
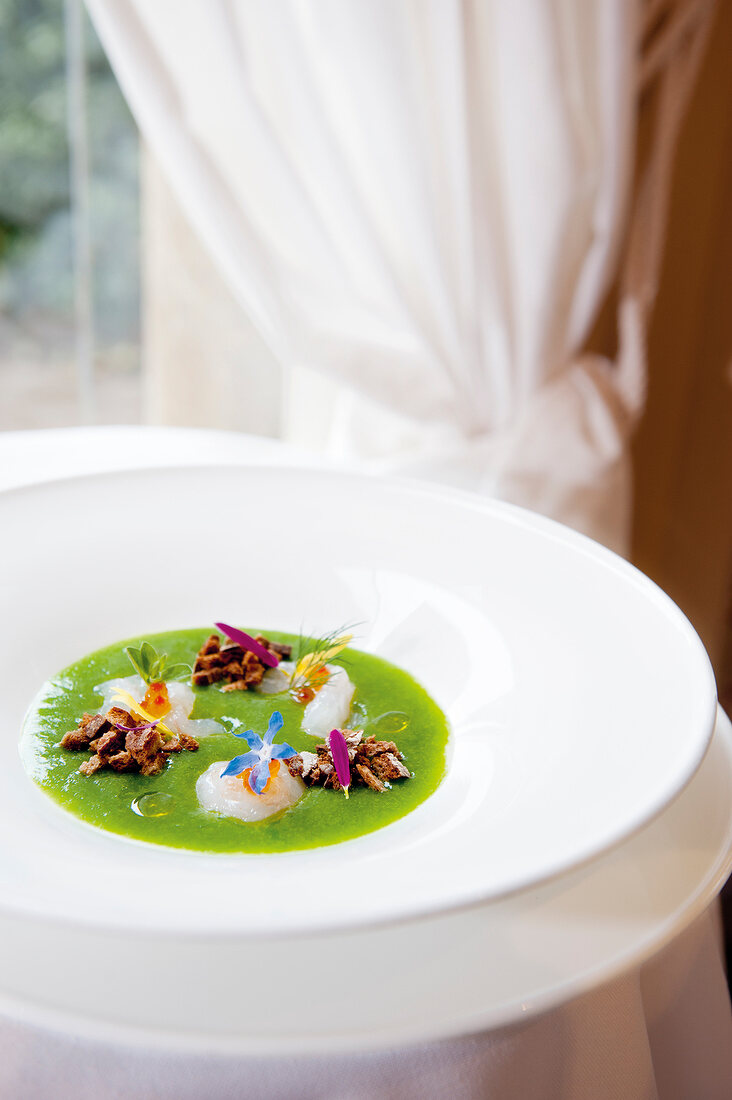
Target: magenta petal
[247,642]
[135,729]
[341,762]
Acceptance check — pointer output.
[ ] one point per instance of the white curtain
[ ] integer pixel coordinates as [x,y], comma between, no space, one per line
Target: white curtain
[424,201]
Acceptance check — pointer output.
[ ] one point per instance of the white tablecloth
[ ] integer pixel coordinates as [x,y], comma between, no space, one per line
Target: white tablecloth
[661,1032]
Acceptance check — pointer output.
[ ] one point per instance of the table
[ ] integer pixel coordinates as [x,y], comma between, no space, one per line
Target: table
[662,1030]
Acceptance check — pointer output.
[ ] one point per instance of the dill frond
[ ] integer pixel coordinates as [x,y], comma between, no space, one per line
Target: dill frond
[313,653]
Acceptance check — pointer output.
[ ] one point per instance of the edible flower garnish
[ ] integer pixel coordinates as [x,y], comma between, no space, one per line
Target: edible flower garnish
[341,760]
[122,696]
[262,752]
[247,642]
[135,729]
[310,672]
[154,667]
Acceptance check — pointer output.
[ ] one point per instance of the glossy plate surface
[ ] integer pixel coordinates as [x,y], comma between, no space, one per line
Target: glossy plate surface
[580,699]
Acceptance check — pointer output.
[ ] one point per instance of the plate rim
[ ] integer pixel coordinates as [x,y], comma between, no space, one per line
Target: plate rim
[527,520]
[519,1008]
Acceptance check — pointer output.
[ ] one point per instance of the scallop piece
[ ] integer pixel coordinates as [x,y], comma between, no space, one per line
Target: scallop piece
[230,796]
[134,685]
[181,704]
[332,704]
[277,679]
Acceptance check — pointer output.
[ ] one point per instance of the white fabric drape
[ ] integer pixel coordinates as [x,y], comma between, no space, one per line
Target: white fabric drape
[661,1034]
[425,201]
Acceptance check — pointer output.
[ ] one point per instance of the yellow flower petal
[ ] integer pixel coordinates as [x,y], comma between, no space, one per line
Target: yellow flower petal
[122,696]
[320,657]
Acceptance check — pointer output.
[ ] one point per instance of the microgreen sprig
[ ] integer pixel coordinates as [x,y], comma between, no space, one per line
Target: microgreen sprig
[155,667]
[314,653]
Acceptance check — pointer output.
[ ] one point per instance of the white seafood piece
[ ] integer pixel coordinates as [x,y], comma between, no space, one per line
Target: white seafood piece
[332,704]
[181,704]
[276,679]
[229,795]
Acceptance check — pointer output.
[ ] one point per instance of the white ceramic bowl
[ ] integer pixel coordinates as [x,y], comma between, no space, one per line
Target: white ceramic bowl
[580,699]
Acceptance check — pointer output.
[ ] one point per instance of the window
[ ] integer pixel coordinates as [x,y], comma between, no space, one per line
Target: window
[69,225]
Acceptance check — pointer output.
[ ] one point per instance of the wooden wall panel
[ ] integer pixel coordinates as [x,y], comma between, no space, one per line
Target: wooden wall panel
[683,447]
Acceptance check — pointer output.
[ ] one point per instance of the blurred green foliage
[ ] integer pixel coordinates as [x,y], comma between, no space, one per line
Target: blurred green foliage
[33,154]
[35,224]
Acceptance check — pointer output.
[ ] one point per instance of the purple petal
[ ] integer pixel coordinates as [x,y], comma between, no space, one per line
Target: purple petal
[135,729]
[240,764]
[276,723]
[283,751]
[247,642]
[260,775]
[339,752]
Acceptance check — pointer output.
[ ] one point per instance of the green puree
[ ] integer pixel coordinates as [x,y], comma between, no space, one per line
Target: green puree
[320,817]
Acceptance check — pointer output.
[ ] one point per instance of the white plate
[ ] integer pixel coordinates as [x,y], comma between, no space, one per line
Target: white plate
[483,967]
[577,686]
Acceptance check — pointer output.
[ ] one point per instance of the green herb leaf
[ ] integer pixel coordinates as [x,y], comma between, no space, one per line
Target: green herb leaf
[136,660]
[175,672]
[149,656]
[154,667]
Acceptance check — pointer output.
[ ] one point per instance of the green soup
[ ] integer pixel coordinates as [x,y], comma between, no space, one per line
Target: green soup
[386,699]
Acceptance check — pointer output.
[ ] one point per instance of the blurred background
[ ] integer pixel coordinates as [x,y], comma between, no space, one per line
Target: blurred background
[58,94]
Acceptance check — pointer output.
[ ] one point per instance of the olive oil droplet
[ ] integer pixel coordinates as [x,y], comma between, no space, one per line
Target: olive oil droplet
[358,717]
[153,804]
[393,721]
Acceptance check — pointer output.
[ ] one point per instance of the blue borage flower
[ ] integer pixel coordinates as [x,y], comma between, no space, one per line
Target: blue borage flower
[261,754]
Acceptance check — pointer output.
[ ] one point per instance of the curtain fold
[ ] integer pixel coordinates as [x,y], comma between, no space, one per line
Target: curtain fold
[424,202]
